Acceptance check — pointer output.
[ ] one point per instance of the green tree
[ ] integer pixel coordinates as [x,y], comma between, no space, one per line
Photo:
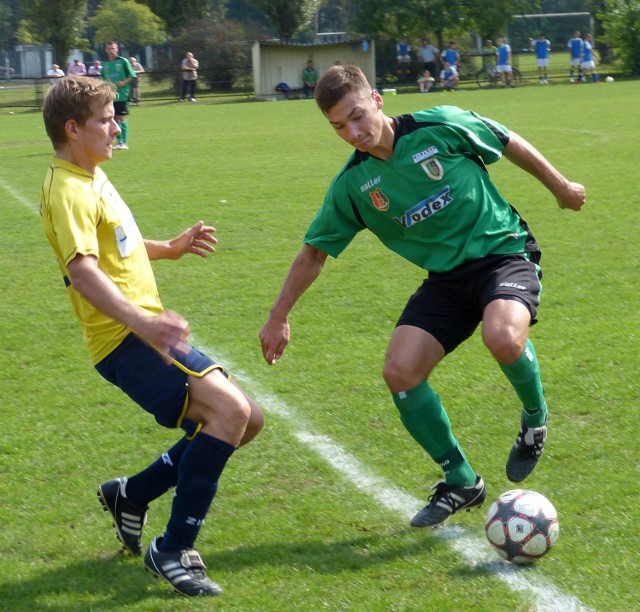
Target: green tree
[176,13]
[288,17]
[622,23]
[128,22]
[58,22]
[220,47]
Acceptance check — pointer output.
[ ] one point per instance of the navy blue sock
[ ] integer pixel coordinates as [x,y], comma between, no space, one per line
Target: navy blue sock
[198,475]
[158,478]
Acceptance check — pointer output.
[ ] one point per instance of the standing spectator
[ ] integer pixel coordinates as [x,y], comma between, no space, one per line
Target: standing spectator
[118,70]
[489,53]
[54,73]
[95,70]
[309,79]
[133,342]
[189,69]
[503,66]
[542,47]
[135,85]
[588,65]
[451,55]
[426,82]
[419,182]
[76,68]
[575,46]
[428,54]
[448,77]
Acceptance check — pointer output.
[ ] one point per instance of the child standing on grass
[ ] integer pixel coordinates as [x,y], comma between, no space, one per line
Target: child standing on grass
[132,341]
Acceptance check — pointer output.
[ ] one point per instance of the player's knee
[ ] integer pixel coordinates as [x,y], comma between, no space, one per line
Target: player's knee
[507,346]
[399,378]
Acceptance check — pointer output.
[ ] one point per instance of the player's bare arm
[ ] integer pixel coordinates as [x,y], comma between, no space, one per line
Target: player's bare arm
[275,334]
[524,155]
[197,240]
[167,331]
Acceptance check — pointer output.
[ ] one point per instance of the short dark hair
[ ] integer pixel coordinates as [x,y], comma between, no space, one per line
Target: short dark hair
[337,82]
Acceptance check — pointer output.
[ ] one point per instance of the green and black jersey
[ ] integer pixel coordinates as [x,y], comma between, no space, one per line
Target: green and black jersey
[433,202]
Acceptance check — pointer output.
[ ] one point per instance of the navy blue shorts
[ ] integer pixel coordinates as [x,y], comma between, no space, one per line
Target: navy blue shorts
[450,305]
[159,387]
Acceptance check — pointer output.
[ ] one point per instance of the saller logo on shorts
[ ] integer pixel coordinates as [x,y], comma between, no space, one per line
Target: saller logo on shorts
[426,208]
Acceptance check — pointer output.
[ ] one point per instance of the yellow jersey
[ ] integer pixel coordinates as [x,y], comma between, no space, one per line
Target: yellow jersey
[83,214]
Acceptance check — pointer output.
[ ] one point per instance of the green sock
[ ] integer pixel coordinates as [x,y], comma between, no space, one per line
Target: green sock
[424,417]
[119,136]
[524,376]
[124,126]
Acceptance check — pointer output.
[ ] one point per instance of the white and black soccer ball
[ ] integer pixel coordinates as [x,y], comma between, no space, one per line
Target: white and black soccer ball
[522,525]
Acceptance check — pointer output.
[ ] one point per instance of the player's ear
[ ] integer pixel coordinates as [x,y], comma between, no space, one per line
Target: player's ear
[377,98]
[71,128]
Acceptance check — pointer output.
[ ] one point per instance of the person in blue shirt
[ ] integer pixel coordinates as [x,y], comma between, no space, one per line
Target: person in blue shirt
[503,67]
[448,78]
[575,46]
[542,46]
[588,65]
[451,55]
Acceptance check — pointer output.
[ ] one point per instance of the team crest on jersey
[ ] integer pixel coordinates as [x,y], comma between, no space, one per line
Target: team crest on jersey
[379,199]
[433,168]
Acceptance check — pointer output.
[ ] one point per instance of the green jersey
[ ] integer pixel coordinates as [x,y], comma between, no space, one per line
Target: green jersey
[433,202]
[119,70]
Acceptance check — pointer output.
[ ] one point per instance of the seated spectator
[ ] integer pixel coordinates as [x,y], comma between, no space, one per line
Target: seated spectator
[309,79]
[449,77]
[77,68]
[95,70]
[426,82]
[55,73]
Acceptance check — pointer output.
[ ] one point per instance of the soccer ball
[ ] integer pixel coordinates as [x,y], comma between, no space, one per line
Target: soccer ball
[522,525]
[609,79]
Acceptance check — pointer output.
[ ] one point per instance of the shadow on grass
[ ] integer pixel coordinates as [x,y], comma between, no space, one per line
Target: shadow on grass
[110,582]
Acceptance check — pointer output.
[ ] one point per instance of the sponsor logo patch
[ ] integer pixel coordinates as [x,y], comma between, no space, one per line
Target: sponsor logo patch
[426,208]
[418,157]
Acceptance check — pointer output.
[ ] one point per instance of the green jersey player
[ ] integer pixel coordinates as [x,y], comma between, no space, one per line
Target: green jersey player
[420,183]
[118,70]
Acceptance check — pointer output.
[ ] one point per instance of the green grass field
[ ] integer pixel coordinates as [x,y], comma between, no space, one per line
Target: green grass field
[314,513]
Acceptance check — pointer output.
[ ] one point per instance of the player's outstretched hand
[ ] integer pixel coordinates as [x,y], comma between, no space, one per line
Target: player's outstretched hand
[574,197]
[274,337]
[198,240]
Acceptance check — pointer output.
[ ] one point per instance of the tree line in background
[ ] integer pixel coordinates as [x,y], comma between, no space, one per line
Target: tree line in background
[219,30]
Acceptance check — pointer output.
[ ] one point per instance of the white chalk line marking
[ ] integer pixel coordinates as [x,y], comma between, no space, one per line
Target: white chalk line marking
[547,598]
[473,549]
[18,197]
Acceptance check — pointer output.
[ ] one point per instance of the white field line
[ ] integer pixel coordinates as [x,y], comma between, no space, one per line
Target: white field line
[474,550]
[18,197]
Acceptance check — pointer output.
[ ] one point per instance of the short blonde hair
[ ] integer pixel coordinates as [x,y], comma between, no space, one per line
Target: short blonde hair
[73,97]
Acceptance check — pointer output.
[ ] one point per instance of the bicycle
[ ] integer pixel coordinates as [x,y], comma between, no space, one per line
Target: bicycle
[490,77]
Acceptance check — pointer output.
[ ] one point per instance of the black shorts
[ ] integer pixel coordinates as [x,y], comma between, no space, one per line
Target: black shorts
[450,305]
[121,109]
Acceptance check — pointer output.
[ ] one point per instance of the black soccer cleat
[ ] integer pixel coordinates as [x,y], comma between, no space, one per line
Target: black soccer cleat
[128,519]
[447,500]
[526,451]
[183,570]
